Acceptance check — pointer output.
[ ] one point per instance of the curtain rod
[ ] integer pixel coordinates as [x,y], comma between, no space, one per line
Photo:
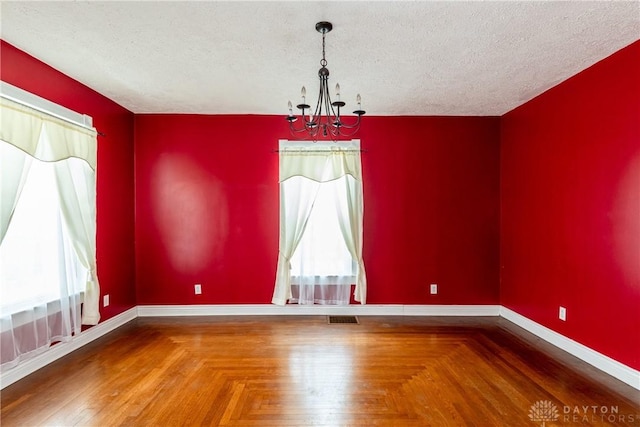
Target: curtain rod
[42,105]
[302,150]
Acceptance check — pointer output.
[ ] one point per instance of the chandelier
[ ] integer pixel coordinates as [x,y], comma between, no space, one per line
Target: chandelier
[326,119]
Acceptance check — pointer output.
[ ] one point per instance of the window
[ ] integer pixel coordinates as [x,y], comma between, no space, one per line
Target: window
[36,258]
[321,212]
[47,230]
[322,269]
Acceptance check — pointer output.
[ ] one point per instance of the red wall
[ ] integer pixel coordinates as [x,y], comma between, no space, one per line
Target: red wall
[570,233]
[431,211]
[115,220]
[207,208]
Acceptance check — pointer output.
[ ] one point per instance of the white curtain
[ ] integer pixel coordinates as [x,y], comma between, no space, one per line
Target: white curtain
[47,231]
[309,166]
[14,168]
[76,191]
[294,214]
[349,213]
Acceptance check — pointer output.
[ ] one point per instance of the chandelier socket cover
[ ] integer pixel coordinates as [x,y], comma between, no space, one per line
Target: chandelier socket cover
[324,27]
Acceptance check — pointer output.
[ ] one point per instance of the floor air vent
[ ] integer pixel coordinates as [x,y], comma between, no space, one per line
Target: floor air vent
[343,319]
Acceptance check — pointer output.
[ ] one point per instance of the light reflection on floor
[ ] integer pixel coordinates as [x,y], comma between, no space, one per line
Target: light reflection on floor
[323,378]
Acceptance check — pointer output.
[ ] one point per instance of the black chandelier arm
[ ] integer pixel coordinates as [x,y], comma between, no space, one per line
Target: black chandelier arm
[310,132]
[317,113]
[353,125]
[349,130]
[342,131]
[308,127]
[332,131]
[328,108]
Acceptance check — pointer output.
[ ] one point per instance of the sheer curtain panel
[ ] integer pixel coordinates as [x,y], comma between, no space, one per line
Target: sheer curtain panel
[47,231]
[321,212]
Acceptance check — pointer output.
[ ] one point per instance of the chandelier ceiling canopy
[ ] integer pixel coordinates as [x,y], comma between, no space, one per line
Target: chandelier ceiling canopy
[326,120]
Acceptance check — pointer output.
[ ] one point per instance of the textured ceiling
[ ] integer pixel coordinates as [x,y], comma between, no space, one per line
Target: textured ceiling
[405,58]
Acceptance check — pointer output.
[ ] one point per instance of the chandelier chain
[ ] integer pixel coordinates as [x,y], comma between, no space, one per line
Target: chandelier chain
[323,61]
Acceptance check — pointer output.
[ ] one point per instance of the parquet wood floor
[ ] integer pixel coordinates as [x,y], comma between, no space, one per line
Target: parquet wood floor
[302,371]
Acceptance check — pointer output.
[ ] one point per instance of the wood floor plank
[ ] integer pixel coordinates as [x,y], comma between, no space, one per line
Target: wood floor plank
[301,371]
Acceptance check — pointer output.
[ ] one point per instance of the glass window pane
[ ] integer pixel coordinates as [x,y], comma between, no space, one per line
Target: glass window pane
[322,251]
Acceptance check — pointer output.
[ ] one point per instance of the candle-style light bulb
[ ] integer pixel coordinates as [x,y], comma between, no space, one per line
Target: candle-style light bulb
[290,108]
[338,91]
[303,93]
[358,100]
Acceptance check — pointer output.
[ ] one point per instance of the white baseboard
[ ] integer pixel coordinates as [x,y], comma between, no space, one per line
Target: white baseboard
[301,310]
[62,349]
[451,310]
[616,369]
[612,367]
[265,310]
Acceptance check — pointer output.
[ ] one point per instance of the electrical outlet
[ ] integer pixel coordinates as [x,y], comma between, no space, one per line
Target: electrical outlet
[198,288]
[562,314]
[433,289]
[105,300]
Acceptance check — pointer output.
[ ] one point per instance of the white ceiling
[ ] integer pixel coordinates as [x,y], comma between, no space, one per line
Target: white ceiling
[405,58]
